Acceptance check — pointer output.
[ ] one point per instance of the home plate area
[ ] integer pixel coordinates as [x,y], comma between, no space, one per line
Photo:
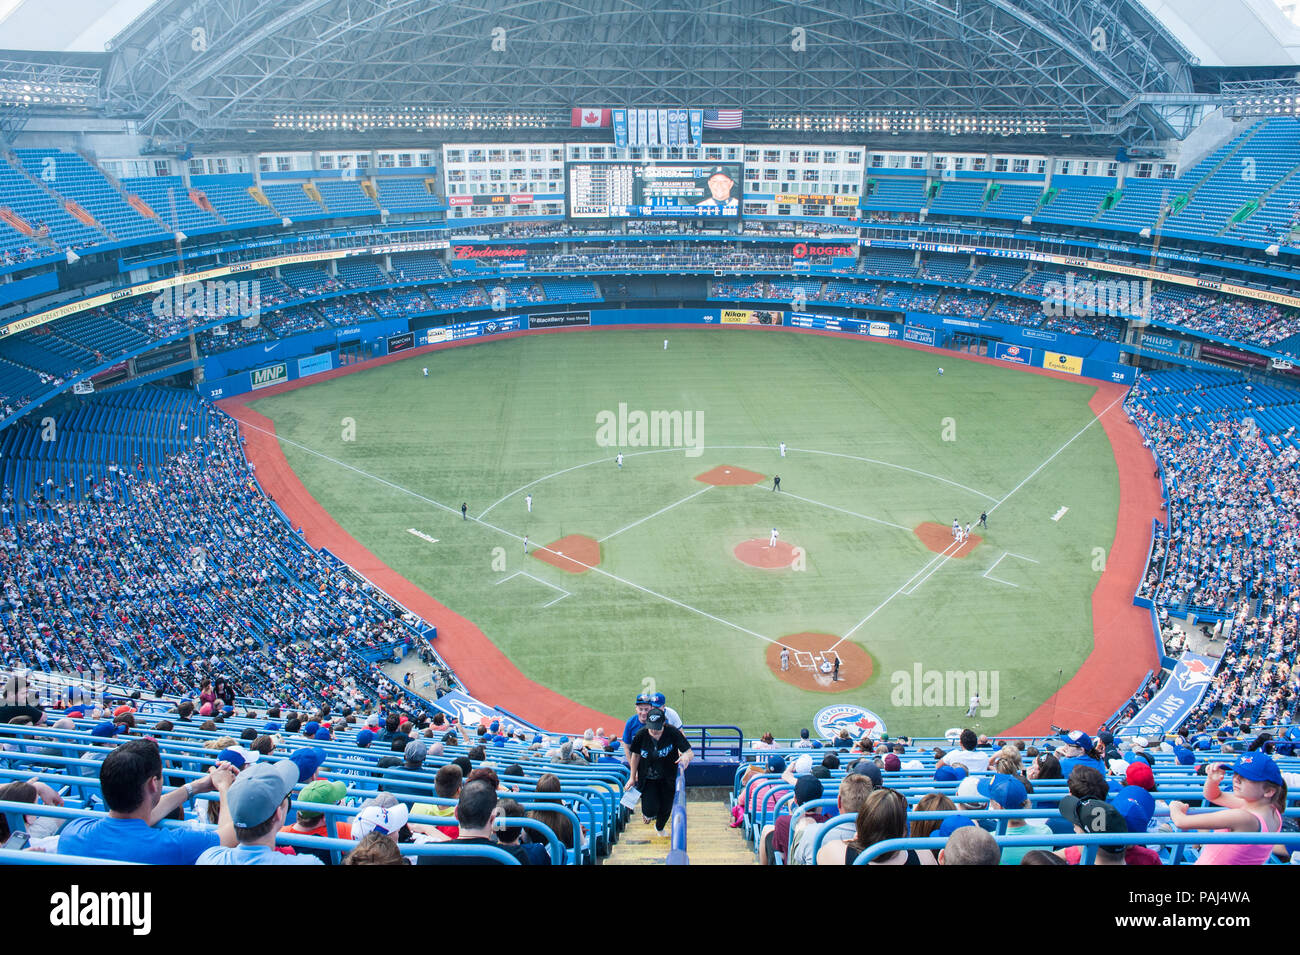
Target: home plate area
[812,662]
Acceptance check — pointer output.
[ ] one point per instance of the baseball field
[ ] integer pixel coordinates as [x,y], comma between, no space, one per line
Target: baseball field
[662,573]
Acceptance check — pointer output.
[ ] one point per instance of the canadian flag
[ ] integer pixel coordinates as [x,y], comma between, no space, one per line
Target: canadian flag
[591,117]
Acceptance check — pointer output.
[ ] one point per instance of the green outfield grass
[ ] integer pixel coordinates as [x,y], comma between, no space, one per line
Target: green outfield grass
[495,417]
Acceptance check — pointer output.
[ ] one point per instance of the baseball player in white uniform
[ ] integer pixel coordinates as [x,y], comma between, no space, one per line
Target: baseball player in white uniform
[528,499]
[426,373]
[772,540]
[525,545]
[785,658]
[956,530]
[619,459]
[782,449]
[665,344]
[966,536]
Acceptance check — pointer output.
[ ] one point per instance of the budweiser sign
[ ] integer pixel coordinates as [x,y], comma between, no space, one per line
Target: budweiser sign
[487,252]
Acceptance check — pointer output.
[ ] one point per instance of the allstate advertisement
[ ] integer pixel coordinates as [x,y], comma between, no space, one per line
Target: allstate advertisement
[1176,699]
[1015,353]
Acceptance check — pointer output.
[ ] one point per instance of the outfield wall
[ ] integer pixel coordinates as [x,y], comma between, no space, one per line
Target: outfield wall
[258,366]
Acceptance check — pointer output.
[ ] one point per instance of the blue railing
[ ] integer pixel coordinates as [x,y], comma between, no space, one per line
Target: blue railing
[677,853]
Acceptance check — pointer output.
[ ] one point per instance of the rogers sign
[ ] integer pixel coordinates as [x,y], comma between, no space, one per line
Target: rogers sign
[487,252]
[802,250]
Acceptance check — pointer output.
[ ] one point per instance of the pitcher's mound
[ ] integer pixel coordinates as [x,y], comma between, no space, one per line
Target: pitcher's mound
[573,553]
[756,553]
[940,540]
[812,662]
[724,475]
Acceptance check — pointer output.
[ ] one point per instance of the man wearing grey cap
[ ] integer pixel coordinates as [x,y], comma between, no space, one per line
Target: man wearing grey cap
[259,800]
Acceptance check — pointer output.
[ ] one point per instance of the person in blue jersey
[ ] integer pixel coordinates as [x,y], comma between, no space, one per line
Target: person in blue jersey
[131,780]
[636,722]
[1077,749]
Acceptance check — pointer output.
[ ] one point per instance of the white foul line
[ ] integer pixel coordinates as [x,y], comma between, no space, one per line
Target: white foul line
[655,514]
[859,624]
[989,573]
[513,536]
[832,507]
[995,506]
[546,583]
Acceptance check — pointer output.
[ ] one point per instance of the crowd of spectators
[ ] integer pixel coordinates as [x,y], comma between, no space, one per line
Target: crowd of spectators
[159,580]
[1233,539]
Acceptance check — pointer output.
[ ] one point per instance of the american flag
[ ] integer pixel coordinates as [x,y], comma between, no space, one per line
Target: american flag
[722,118]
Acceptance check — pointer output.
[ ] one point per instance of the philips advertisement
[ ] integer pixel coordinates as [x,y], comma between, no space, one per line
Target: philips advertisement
[643,190]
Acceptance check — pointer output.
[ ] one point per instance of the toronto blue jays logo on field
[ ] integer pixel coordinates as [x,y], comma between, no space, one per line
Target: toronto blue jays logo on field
[857,720]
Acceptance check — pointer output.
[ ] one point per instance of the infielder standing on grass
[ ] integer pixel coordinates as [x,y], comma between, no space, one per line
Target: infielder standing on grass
[772,541]
[665,344]
[782,449]
[525,545]
[619,459]
[528,499]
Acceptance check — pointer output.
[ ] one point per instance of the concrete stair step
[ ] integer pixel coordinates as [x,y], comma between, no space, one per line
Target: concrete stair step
[710,839]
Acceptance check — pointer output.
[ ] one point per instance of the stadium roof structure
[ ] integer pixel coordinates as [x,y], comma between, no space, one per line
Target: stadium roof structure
[244,71]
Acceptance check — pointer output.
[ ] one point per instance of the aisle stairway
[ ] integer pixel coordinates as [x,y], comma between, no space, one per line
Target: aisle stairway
[710,838]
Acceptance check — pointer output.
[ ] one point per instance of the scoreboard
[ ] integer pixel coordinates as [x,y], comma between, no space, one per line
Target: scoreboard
[646,190]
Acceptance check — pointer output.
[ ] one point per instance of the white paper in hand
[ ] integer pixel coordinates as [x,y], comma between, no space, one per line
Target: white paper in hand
[631,798]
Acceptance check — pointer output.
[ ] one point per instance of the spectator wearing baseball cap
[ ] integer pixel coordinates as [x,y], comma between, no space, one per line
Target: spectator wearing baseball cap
[259,802]
[1092,816]
[1137,806]
[670,714]
[1078,749]
[657,752]
[1008,792]
[775,839]
[635,723]
[313,823]
[1256,804]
